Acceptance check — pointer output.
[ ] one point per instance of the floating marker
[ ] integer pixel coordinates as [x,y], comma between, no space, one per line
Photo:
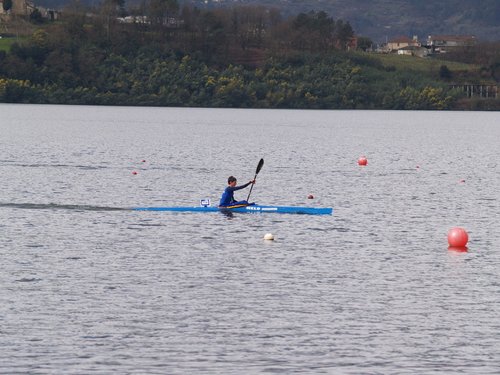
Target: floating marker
[134,172]
[269,237]
[143,160]
[310,196]
[457,237]
[362,161]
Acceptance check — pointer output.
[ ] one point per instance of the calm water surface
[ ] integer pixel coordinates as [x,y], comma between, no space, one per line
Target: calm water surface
[88,286]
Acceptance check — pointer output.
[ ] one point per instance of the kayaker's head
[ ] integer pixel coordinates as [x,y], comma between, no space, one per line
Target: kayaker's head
[231,181]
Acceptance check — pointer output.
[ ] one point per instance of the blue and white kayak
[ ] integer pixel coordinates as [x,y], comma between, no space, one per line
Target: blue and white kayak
[253,208]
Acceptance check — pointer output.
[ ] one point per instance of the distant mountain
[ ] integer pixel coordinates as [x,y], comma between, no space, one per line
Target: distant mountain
[383,19]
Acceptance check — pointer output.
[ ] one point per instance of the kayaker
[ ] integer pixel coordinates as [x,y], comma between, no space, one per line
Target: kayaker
[227,198]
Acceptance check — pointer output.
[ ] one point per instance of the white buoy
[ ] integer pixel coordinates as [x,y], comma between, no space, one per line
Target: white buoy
[269,236]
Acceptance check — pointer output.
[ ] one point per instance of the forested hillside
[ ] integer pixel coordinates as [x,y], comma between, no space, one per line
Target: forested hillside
[380,19]
[245,56]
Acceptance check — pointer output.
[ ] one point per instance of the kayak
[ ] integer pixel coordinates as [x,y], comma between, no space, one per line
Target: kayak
[253,208]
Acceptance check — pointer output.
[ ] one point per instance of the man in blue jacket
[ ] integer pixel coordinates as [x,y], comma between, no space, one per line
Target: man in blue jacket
[227,198]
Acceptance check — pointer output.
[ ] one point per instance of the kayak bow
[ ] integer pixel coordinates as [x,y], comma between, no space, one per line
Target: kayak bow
[254,208]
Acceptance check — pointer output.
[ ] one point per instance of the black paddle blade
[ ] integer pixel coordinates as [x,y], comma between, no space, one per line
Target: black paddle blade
[259,166]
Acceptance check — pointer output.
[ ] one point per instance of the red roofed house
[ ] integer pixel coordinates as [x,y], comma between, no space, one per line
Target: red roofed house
[402,42]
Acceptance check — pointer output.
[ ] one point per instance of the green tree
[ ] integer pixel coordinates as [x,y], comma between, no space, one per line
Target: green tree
[364,43]
[343,34]
[109,11]
[313,31]
[494,68]
[159,11]
[36,16]
[7,5]
[15,91]
[444,72]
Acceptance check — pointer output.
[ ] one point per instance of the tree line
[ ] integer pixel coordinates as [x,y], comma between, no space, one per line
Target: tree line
[243,56]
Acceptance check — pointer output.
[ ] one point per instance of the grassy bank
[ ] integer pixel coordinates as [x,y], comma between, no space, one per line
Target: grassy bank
[419,64]
[6,42]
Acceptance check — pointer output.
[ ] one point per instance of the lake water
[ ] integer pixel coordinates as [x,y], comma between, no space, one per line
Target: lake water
[87,286]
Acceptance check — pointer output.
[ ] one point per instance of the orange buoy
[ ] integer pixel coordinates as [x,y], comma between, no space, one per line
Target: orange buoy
[310,196]
[362,161]
[457,237]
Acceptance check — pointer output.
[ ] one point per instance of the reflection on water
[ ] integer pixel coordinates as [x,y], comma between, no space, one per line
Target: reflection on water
[458,249]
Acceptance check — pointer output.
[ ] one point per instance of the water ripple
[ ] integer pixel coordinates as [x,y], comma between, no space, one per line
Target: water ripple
[54,206]
[28,280]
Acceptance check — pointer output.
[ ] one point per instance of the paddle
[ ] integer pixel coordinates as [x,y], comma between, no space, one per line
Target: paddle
[259,167]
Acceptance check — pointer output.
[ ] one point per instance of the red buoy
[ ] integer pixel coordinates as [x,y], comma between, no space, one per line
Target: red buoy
[143,160]
[310,196]
[134,172]
[362,160]
[457,237]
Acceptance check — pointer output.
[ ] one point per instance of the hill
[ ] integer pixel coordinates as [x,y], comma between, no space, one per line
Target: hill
[381,19]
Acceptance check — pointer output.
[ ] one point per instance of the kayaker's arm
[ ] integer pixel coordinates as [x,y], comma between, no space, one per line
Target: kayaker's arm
[243,186]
